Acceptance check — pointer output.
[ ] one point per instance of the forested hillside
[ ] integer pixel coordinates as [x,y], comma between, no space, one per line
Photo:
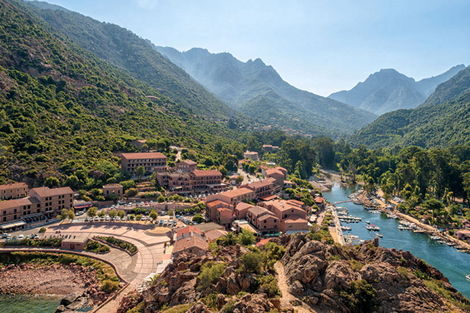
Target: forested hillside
[128,51]
[64,112]
[443,120]
[257,90]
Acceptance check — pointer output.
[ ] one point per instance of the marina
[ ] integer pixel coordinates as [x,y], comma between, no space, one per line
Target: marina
[440,253]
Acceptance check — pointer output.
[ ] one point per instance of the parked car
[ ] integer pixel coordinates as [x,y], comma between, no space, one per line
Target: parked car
[21,236]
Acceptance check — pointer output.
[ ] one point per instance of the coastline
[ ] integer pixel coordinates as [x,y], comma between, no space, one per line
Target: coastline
[363,197]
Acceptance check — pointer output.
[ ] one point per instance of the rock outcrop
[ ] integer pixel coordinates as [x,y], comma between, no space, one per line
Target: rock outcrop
[364,278]
[328,278]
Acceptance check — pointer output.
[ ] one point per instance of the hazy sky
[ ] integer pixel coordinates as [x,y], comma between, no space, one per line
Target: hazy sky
[318,45]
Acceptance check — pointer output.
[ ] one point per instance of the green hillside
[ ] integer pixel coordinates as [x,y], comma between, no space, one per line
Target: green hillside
[64,112]
[443,120]
[126,50]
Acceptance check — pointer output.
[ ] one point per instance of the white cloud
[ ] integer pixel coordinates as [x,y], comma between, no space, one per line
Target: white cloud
[147,4]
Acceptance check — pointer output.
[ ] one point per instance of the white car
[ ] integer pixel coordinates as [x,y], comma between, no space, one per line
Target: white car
[21,236]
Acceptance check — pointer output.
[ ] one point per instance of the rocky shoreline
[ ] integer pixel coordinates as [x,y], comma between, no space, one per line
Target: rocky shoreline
[78,285]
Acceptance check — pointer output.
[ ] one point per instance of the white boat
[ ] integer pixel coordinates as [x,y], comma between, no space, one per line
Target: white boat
[468,277]
[345,228]
[435,237]
[373,227]
[379,235]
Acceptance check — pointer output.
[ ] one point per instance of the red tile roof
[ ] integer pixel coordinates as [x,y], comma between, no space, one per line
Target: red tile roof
[190,242]
[215,203]
[237,192]
[188,230]
[319,200]
[13,186]
[50,192]
[143,155]
[215,234]
[268,198]
[263,242]
[262,183]
[258,211]
[14,203]
[203,173]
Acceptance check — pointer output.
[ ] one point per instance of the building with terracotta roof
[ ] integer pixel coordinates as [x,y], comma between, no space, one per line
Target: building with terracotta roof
[13,191]
[42,203]
[224,216]
[192,244]
[241,209]
[263,188]
[251,155]
[213,235]
[188,231]
[234,196]
[51,201]
[277,174]
[263,219]
[291,214]
[12,210]
[184,178]
[150,161]
[113,190]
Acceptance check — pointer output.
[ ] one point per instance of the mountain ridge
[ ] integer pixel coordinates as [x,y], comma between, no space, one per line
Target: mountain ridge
[388,90]
[239,84]
[442,120]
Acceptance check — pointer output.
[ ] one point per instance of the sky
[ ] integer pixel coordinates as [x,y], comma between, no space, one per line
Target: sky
[318,45]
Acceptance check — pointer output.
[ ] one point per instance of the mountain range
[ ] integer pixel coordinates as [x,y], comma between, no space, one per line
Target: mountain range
[442,120]
[256,89]
[389,90]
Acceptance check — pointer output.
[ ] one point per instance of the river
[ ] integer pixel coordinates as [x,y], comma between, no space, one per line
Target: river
[451,262]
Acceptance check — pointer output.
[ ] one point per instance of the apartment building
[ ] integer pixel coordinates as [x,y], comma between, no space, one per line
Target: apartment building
[150,161]
[42,203]
[13,191]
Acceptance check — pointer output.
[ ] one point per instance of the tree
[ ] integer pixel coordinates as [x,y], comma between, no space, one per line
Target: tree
[198,218]
[140,172]
[112,213]
[101,214]
[251,262]
[132,192]
[91,212]
[71,214]
[52,182]
[138,217]
[153,215]
[121,214]
[246,238]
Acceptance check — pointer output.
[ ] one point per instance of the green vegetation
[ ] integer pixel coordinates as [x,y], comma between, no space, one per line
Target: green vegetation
[64,113]
[442,121]
[245,238]
[322,233]
[360,296]
[48,242]
[210,273]
[104,271]
[96,247]
[428,180]
[119,243]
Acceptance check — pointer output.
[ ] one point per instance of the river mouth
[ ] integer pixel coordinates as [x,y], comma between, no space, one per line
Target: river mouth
[451,262]
[30,304]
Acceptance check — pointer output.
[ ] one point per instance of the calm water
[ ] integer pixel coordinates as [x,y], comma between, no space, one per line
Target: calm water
[452,263]
[23,304]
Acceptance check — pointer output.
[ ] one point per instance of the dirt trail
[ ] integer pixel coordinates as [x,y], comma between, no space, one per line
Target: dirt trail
[286,297]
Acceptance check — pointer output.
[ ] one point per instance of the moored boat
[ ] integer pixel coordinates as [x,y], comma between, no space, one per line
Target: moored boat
[373,227]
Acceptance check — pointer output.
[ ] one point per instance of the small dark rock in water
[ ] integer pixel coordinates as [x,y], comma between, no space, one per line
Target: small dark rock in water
[69,299]
[73,303]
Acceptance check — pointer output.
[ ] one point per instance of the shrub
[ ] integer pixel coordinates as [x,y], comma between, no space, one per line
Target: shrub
[252,262]
[96,247]
[42,230]
[109,286]
[122,244]
[268,285]
[210,273]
